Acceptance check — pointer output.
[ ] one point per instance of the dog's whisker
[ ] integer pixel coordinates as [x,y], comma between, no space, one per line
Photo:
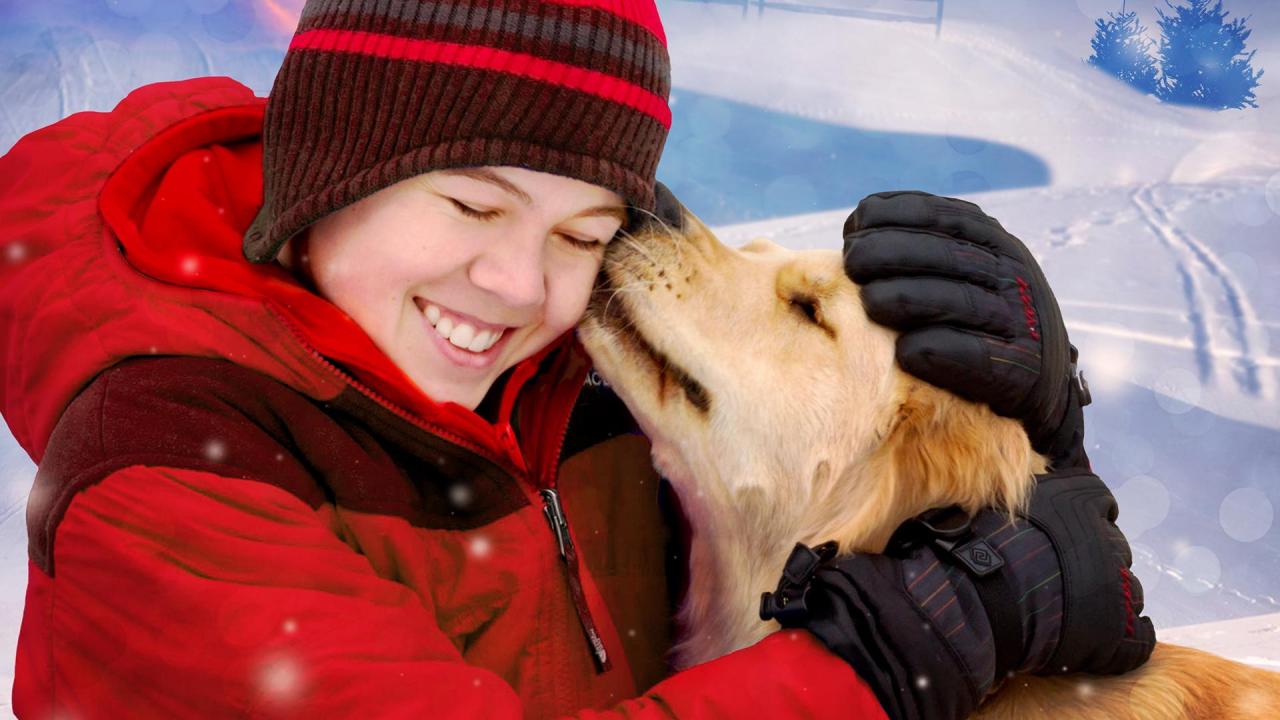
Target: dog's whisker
[672,235]
[613,295]
[632,243]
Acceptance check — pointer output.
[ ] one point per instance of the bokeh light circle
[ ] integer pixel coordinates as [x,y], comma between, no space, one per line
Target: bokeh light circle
[1246,514]
[1144,504]
[1272,193]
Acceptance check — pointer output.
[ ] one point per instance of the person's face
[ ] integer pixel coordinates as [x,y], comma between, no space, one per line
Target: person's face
[457,275]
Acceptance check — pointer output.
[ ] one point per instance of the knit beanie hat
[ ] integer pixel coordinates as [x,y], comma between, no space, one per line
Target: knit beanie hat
[372,92]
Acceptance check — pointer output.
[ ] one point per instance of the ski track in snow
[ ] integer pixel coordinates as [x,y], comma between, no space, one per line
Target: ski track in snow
[1262,600]
[1200,269]
[1149,310]
[1181,343]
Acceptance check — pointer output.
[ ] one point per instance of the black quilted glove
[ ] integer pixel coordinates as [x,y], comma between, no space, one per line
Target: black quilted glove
[975,312]
[957,603]
[1103,629]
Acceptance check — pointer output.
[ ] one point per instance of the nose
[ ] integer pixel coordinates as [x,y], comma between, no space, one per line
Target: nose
[514,270]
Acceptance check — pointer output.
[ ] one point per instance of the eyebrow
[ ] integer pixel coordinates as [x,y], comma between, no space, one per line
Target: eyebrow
[486,175]
[614,211]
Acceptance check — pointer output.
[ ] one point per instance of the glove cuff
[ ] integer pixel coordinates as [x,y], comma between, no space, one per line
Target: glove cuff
[1099,596]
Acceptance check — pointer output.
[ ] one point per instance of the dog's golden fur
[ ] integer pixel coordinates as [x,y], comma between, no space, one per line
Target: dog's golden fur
[776,411]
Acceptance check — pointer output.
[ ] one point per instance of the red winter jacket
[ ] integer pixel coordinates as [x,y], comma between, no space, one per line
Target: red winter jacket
[243,508]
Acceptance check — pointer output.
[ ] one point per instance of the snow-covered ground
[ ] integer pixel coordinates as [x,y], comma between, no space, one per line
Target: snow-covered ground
[1157,225]
[1250,640]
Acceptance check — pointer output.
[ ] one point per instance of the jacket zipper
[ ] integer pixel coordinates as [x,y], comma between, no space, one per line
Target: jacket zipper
[552,509]
[554,513]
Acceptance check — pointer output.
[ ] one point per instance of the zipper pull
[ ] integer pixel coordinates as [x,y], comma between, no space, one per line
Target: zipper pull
[554,513]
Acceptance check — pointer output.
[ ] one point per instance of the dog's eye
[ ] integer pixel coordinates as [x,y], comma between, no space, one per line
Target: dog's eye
[807,306]
[811,309]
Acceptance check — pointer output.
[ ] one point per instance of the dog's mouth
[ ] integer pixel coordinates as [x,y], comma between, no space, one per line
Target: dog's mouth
[609,308]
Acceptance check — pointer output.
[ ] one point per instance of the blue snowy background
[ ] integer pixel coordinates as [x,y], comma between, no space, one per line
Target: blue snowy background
[1158,225]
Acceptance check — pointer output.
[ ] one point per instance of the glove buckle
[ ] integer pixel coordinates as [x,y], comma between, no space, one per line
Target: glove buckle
[950,530]
[787,603]
[945,525]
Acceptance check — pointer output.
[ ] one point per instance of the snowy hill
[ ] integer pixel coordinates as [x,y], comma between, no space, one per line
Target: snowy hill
[1157,225]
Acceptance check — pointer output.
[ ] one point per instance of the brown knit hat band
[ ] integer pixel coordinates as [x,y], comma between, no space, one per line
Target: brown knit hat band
[372,92]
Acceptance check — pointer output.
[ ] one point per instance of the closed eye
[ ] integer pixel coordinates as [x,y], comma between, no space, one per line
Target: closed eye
[810,308]
[806,306]
[580,243]
[471,212]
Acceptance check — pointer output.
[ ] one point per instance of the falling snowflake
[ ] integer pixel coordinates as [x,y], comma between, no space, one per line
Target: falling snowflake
[16,252]
[480,547]
[280,679]
[461,495]
[215,450]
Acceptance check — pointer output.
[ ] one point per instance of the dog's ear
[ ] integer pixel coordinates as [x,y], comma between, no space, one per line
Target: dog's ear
[943,450]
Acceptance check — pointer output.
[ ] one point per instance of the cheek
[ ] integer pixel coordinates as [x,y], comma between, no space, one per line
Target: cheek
[367,286]
[568,291]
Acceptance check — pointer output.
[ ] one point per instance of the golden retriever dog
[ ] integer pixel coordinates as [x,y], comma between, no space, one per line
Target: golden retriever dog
[775,409]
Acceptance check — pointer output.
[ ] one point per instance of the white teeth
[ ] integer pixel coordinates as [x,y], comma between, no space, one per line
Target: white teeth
[445,327]
[462,335]
[482,342]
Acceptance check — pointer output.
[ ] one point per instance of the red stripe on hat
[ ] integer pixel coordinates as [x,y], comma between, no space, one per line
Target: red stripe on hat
[644,14]
[483,57]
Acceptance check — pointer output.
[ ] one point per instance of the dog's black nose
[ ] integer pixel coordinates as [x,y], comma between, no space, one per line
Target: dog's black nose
[667,209]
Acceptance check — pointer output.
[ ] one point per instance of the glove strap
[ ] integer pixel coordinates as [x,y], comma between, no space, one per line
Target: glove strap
[787,604]
[950,531]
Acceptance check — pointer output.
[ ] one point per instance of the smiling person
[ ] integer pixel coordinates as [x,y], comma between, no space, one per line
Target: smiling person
[459,274]
[314,431]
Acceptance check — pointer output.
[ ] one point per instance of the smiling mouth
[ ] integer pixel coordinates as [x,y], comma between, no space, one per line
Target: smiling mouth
[463,332]
[609,308]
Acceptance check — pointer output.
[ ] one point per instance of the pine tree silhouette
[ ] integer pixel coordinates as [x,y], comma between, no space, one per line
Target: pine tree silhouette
[1202,57]
[1121,49]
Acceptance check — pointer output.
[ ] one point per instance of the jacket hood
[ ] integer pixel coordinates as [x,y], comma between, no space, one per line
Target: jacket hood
[122,237]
